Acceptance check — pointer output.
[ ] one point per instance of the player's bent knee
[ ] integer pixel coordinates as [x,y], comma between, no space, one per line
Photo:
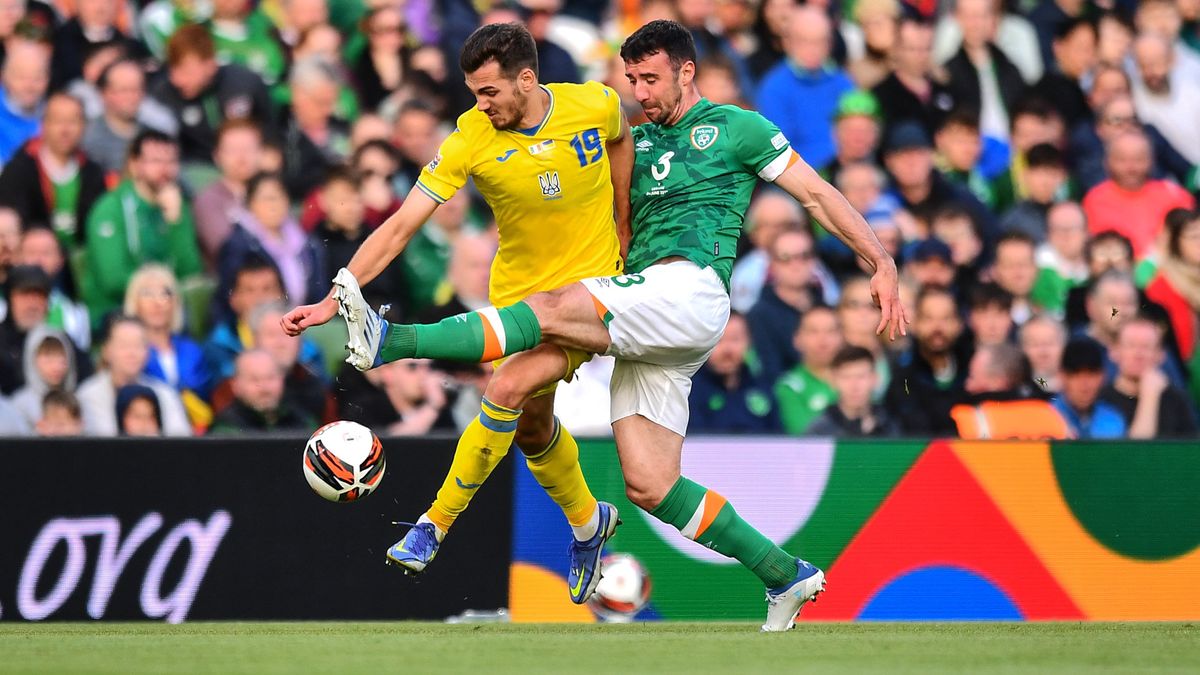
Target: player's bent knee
[510,391]
[646,496]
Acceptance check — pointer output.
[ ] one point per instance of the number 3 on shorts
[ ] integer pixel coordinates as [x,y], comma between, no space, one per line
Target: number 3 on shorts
[627,280]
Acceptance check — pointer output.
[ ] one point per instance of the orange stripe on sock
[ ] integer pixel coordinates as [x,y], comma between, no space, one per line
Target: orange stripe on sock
[712,506]
[491,342]
[601,310]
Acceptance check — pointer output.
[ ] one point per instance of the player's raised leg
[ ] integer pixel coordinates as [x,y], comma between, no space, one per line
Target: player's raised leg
[650,459]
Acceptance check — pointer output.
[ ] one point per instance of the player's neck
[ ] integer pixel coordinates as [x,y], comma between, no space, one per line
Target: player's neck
[535,112]
[689,99]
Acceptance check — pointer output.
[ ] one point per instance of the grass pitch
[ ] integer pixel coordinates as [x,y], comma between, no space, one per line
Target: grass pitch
[265,648]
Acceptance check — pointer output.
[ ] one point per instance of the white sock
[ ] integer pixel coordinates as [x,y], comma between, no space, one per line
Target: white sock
[588,529]
[437,531]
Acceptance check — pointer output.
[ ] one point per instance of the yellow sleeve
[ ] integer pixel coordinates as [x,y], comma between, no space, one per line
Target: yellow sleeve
[448,171]
[612,113]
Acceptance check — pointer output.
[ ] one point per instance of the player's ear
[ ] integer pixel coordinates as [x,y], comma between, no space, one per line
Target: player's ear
[527,80]
[687,73]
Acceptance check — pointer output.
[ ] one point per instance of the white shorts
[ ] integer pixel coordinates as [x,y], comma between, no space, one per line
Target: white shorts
[664,323]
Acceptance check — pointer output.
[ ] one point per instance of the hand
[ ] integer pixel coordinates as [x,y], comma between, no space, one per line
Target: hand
[1153,383]
[885,291]
[170,200]
[295,321]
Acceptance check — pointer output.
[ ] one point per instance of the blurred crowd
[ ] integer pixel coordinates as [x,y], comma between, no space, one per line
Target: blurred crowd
[177,173]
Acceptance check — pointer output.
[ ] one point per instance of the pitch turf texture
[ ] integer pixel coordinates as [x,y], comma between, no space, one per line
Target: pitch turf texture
[264,648]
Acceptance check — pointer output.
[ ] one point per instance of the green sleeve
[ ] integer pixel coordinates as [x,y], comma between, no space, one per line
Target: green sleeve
[761,147]
[185,254]
[109,264]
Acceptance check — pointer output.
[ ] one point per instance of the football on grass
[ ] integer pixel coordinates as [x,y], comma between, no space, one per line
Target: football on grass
[343,461]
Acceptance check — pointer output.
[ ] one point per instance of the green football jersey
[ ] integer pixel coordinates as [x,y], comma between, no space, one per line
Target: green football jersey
[692,183]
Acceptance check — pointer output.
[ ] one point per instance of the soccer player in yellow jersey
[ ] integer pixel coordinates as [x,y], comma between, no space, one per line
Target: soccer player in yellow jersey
[551,160]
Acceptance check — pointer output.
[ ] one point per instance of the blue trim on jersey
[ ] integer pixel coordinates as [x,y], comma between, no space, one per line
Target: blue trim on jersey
[430,193]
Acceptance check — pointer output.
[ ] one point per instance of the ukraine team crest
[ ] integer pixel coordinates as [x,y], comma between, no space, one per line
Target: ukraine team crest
[704,136]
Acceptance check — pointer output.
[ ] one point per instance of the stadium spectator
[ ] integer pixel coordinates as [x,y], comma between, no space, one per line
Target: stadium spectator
[202,94]
[1176,286]
[989,315]
[859,317]
[61,415]
[323,42]
[298,17]
[955,226]
[49,365]
[1167,96]
[303,383]
[256,281]
[1043,339]
[121,88]
[153,297]
[930,263]
[260,402]
[1061,259]
[238,158]
[871,40]
[980,75]
[403,398]
[1072,59]
[729,393]
[49,182]
[806,390]
[959,148]
[1103,252]
[143,219]
[555,63]
[28,291]
[1082,377]
[313,138]
[697,17]
[1162,19]
[771,212]
[138,412]
[1130,202]
[800,94]
[24,78]
[790,293]
[1000,404]
[1015,270]
[123,355]
[1043,182]
[921,189]
[927,379]
[10,242]
[377,162]
[856,131]
[854,415]
[243,34]
[770,26]
[384,63]
[93,26]
[1115,116]
[716,78]
[266,229]
[1151,406]
[910,92]
[416,137]
[1048,18]
[1034,122]
[40,247]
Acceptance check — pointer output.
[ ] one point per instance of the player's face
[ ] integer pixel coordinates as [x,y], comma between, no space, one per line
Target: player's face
[657,86]
[502,99]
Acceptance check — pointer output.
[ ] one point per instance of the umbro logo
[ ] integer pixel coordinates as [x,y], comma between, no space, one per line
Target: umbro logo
[644,144]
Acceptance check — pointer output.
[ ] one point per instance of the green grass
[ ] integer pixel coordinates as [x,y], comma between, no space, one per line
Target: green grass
[486,649]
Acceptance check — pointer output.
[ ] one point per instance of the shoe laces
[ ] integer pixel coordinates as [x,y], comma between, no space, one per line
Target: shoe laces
[423,541]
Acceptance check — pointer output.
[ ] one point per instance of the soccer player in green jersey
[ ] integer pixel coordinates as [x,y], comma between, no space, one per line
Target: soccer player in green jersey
[695,167]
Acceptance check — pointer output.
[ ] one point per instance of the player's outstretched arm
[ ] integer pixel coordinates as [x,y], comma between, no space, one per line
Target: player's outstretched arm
[371,259]
[835,214]
[620,162]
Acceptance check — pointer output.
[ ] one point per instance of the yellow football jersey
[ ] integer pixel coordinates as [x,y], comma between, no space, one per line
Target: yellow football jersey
[549,189]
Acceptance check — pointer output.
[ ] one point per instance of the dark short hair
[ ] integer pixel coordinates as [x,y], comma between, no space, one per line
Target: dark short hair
[138,144]
[1071,24]
[961,116]
[1082,354]
[1045,156]
[374,144]
[253,263]
[988,295]
[508,44]
[932,290]
[1176,222]
[1105,237]
[258,180]
[1017,237]
[115,320]
[61,398]
[956,211]
[852,354]
[668,37]
[1033,106]
[106,74]
[340,173]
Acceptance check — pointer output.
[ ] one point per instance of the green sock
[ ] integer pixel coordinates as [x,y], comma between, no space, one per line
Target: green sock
[705,517]
[476,337]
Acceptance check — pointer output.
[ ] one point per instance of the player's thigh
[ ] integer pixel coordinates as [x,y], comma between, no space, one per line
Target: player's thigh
[524,374]
[568,318]
[650,459]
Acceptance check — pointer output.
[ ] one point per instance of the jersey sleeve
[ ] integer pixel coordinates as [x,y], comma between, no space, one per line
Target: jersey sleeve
[761,146]
[612,113]
[448,171]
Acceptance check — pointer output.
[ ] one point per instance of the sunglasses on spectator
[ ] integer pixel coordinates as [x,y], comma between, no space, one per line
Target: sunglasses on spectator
[789,256]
